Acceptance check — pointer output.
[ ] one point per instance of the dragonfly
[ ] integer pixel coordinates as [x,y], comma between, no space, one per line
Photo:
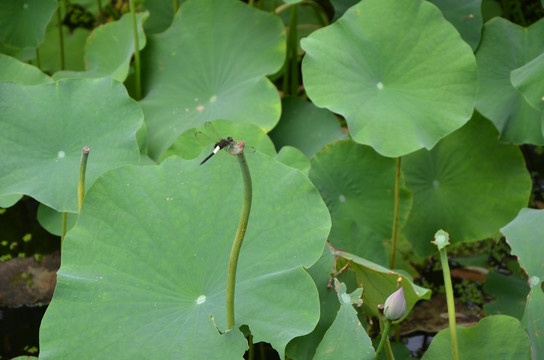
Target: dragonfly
[223,143]
[234,147]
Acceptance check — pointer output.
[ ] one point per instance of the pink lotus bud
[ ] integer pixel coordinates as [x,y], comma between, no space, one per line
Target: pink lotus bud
[395,305]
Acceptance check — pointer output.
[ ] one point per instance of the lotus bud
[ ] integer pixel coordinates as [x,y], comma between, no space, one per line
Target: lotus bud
[395,305]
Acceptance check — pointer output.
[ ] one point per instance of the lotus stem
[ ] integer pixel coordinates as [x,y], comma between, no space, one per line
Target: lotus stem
[137,77]
[441,241]
[81,178]
[239,238]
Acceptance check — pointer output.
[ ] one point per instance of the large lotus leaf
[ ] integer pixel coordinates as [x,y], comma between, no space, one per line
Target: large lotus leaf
[293,157]
[497,337]
[161,15]
[379,282]
[146,264]
[74,46]
[303,348]
[524,235]
[109,49]
[528,80]
[23,22]
[51,220]
[509,293]
[305,126]
[358,186]
[504,48]
[44,128]
[211,64]
[396,70]
[533,319]
[8,200]
[340,7]
[12,69]
[346,338]
[470,185]
[466,16]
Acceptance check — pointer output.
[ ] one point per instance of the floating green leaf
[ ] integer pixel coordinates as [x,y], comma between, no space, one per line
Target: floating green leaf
[303,348]
[305,126]
[12,69]
[498,337]
[8,200]
[293,157]
[358,186]
[346,338]
[23,22]
[397,71]
[466,16]
[524,235]
[109,49]
[74,46]
[506,47]
[149,255]
[379,283]
[527,79]
[456,186]
[211,64]
[43,130]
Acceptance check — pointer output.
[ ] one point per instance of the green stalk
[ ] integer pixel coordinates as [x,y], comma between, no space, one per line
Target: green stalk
[176,6]
[238,239]
[290,67]
[385,335]
[63,229]
[395,216]
[251,351]
[61,38]
[292,43]
[137,79]
[38,58]
[81,177]
[441,241]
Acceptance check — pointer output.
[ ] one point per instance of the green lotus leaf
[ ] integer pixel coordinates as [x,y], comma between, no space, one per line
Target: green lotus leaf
[293,157]
[109,49]
[211,64]
[44,128]
[533,320]
[51,220]
[303,347]
[523,235]
[340,7]
[494,337]
[506,47]
[358,186]
[528,80]
[23,22]
[146,264]
[74,48]
[397,71]
[379,282]
[161,15]
[8,200]
[15,70]
[509,292]
[456,186]
[305,126]
[346,338]
[466,16]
